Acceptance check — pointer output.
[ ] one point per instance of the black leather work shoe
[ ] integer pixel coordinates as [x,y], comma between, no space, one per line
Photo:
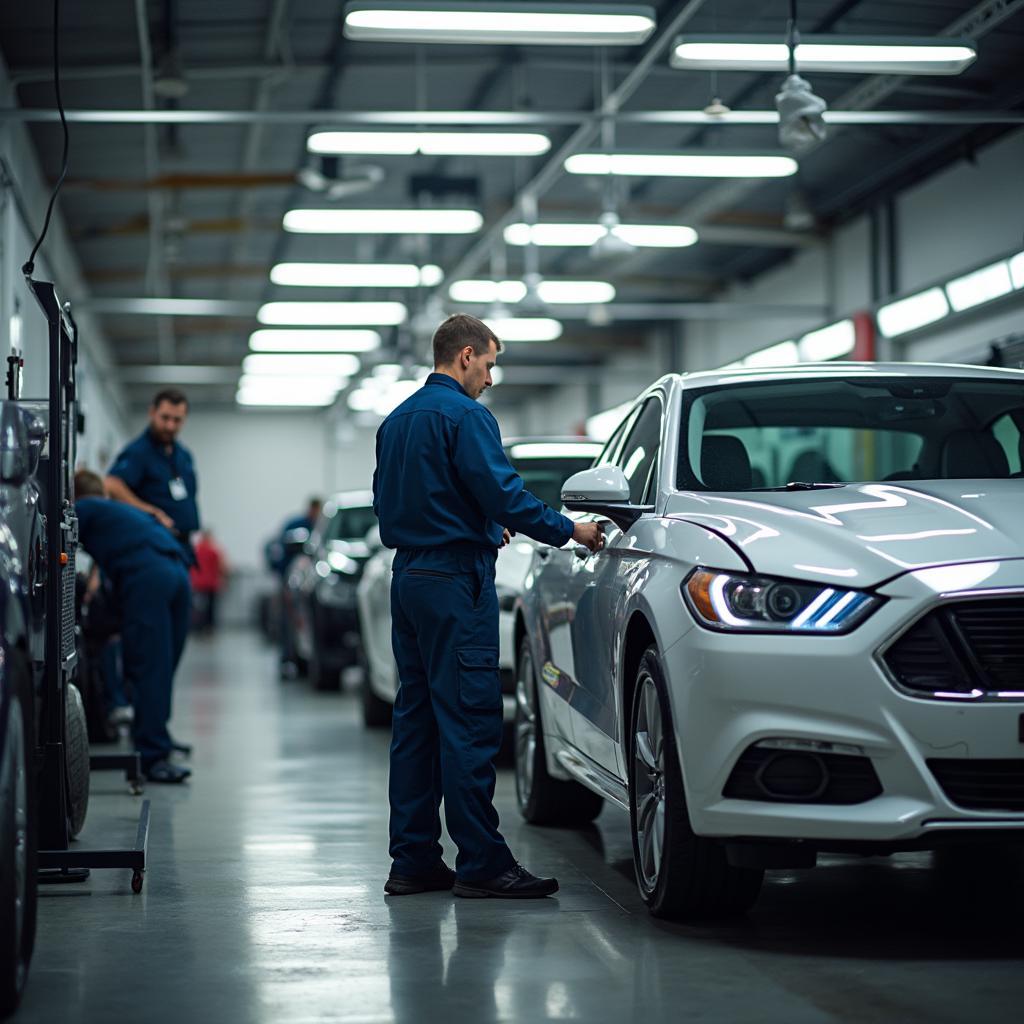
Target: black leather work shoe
[515,884]
[164,771]
[441,878]
[185,749]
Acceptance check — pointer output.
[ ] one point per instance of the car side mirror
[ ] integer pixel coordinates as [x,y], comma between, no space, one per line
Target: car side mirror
[603,491]
[15,452]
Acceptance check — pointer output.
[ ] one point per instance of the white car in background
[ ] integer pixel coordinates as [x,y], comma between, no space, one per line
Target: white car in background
[544,464]
[805,632]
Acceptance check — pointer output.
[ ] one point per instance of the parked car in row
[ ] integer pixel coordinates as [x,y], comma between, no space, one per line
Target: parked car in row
[320,589]
[543,463]
[805,632]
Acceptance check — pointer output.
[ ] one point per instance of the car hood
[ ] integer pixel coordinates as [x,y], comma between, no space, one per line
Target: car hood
[864,533]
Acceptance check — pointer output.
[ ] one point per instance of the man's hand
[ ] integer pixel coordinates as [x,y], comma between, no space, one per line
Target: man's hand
[163,519]
[590,535]
[506,539]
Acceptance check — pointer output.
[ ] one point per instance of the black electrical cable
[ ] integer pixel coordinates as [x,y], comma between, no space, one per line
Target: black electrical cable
[30,265]
[793,37]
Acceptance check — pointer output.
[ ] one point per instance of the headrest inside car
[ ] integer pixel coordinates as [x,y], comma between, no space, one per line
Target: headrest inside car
[724,464]
[967,454]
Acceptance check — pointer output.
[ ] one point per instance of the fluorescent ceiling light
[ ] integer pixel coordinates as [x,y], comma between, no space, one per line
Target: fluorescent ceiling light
[511,292]
[271,340]
[683,165]
[525,328]
[830,342]
[1017,270]
[429,143]
[284,401]
[912,312]
[562,24]
[288,387]
[356,275]
[387,371]
[386,314]
[860,55]
[327,366]
[383,222]
[980,286]
[668,236]
[782,354]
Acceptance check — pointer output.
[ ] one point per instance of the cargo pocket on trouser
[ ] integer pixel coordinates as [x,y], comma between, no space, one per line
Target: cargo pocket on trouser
[479,684]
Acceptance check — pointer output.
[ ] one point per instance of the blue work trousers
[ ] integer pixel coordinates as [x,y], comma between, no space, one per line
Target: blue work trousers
[156,600]
[447,724]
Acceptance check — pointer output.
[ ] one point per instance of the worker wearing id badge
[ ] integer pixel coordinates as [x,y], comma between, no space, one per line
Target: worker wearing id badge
[155,472]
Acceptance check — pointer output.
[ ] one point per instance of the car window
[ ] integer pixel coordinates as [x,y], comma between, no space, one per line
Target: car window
[611,449]
[1007,432]
[544,477]
[640,452]
[352,523]
[773,431]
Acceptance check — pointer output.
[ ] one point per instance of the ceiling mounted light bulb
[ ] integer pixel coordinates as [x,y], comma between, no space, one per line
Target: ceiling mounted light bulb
[801,115]
[514,21]
[658,236]
[683,165]
[312,340]
[610,244]
[384,222]
[355,275]
[332,314]
[385,143]
[525,328]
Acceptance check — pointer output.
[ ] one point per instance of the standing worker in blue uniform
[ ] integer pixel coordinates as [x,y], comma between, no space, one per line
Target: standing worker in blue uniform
[155,473]
[147,567]
[447,498]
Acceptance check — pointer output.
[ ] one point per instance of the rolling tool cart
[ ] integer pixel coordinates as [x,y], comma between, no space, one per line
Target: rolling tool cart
[60,806]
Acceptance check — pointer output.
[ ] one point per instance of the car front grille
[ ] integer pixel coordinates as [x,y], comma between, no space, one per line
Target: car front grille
[966,650]
[982,784]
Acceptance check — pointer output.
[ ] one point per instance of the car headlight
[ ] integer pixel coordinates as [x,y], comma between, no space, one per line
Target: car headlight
[336,591]
[740,603]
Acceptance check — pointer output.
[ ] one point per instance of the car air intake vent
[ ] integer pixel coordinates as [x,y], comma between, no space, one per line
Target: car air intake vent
[967,650]
[982,784]
[802,777]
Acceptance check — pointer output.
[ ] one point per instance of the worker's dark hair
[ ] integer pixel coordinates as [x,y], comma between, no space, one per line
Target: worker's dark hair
[458,331]
[89,484]
[172,395]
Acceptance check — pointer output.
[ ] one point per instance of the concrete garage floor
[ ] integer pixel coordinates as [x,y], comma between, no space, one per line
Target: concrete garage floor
[263,902]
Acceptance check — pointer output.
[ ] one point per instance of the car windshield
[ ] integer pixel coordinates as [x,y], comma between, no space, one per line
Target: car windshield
[544,476]
[819,432]
[352,523]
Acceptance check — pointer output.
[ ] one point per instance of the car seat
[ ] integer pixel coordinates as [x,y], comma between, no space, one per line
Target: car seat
[724,463]
[967,454]
[812,467]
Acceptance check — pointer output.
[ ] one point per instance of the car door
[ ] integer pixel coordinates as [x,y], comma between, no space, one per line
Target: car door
[595,587]
[551,570]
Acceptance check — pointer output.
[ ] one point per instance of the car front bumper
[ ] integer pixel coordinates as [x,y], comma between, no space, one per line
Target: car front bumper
[730,692]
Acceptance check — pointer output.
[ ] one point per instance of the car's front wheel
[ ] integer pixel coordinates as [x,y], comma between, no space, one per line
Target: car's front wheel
[543,800]
[679,874]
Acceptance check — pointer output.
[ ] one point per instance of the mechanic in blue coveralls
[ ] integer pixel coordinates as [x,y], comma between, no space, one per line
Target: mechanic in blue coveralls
[147,567]
[154,473]
[447,498]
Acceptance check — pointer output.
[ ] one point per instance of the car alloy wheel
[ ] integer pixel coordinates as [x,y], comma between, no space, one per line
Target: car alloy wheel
[648,779]
[525,728]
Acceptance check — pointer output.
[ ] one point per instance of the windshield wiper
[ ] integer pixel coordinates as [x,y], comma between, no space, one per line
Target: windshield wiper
[804,485]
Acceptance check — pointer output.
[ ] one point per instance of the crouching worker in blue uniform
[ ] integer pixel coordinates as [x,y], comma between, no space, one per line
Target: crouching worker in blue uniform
[148,569]
[447,498]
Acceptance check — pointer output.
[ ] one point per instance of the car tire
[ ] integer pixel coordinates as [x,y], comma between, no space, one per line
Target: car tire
[17,839]
[679,874]
[76,760]
[543,800]
[324,678]
[376,712]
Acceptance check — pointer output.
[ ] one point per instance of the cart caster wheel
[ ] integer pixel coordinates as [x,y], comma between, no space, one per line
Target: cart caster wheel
[137,878]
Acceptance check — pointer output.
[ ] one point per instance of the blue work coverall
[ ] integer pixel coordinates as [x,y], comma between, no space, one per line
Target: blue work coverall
[166,479]
[443,490]
[147,567]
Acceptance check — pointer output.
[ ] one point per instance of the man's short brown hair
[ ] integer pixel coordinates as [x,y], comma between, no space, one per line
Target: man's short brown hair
[458,331]
[172,395]
[89,484]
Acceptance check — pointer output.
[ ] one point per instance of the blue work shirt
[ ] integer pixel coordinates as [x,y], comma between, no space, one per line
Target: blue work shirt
[149,470]
[275,552]
[120,538]
[443,480]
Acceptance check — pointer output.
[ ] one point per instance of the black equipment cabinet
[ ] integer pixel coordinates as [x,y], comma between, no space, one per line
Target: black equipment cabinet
[59,649]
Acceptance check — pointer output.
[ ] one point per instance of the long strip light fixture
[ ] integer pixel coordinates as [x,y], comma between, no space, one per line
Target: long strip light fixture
[511,292]
[285,340]
[683,165]
[314,367]
[654,236]
[444,21]
[525,328]
[332,314]
[383,222]
[854,54]
[357,275]
[428,143]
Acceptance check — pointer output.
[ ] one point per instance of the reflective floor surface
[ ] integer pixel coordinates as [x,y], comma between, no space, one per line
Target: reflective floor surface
[263,902]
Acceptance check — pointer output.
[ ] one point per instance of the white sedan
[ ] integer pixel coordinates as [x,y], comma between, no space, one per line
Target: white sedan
[544,464]
[805,632]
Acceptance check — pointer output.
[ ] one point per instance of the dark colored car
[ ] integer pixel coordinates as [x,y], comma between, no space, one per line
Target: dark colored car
[320,590]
